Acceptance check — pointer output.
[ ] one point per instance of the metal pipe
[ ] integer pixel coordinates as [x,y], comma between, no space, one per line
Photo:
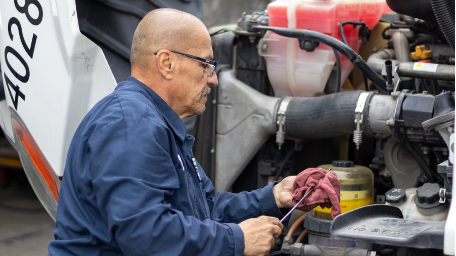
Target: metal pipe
[389,75]
[377,61]
[401,45]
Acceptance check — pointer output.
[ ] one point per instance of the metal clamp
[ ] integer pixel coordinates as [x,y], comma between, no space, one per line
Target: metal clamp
[442,196]
[358,133]
[280,135]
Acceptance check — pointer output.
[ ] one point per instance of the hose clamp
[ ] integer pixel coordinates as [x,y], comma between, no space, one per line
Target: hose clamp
[358,133]
[442,198]
[280,135]
[357,60]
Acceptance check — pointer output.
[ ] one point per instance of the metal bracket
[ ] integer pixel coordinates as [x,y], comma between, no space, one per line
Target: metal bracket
[358,133]
[396,78]
[307,45]
[280,135]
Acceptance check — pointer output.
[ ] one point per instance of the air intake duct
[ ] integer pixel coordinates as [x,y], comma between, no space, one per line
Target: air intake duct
[322,117]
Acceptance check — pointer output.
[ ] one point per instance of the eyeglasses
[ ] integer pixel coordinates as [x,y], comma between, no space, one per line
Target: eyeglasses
[211,63]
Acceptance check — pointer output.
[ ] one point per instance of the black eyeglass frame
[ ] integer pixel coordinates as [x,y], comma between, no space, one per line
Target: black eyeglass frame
[211,63]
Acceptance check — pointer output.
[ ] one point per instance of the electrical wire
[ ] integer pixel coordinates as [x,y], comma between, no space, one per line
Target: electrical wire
[342,34]
[423,41]
[284,162]
[354,23]
[366,85]
[420,161]
[339,71]
[221,31]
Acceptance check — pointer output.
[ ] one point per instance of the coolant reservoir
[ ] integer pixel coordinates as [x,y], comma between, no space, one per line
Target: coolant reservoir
[356,187]
[294,72]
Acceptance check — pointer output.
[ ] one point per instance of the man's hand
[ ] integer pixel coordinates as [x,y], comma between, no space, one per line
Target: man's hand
[283,194]
[260,234]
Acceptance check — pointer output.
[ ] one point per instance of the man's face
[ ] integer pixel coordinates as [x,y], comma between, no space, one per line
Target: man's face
[194,81]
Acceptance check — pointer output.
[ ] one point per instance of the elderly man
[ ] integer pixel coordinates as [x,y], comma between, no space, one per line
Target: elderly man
[132,185]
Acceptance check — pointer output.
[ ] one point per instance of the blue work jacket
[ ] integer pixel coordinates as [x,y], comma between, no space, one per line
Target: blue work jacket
[132,187]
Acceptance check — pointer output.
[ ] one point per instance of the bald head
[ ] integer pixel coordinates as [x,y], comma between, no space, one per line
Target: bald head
[164,29]
[182,81]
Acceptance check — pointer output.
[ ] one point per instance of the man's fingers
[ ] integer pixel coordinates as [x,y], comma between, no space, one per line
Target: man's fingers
[276,222]
[272,243]
[276,231]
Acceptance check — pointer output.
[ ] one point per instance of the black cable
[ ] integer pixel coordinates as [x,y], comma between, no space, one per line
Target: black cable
[384,35]
[342,34]
[221,31]
[421,162]
[354,23]
[284,162]
[418,158]
[423,41]
[339,72]
[334,43]
[366,85]
[378,181]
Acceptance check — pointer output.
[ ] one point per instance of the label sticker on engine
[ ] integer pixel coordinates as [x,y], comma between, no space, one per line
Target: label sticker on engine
[426,67]
[335,243]
[333,246]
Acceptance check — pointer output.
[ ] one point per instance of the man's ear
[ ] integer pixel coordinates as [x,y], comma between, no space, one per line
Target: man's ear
[165,63]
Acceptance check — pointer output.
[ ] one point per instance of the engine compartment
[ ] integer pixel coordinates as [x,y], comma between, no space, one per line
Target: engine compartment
[401,126]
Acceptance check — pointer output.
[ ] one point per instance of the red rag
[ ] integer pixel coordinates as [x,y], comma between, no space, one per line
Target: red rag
[325,184]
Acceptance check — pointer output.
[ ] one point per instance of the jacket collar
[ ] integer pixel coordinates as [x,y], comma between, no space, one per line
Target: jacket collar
[171,118]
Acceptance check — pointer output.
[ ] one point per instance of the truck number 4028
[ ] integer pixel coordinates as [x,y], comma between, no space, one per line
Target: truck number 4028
[29,49]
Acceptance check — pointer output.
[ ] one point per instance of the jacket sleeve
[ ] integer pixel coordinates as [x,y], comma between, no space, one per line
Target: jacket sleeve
[133,174]
[228,207]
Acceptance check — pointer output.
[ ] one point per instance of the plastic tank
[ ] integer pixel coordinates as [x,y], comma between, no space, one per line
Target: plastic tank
[356,187]
[370,12]
[411,211]
[294,72]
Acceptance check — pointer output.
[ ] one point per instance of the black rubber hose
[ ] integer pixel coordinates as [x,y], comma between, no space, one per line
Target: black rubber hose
[444,13]
[322,117]
[339,72]
[333,43]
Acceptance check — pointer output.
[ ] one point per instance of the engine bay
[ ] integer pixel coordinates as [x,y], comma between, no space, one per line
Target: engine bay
[290,98]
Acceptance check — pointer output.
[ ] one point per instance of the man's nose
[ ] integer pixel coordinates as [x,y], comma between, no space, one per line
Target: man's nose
[212,80]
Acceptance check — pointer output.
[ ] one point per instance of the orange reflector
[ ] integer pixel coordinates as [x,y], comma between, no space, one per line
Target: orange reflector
[37,157]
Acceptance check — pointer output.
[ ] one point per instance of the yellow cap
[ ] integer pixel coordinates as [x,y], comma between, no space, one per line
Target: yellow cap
[421,53]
